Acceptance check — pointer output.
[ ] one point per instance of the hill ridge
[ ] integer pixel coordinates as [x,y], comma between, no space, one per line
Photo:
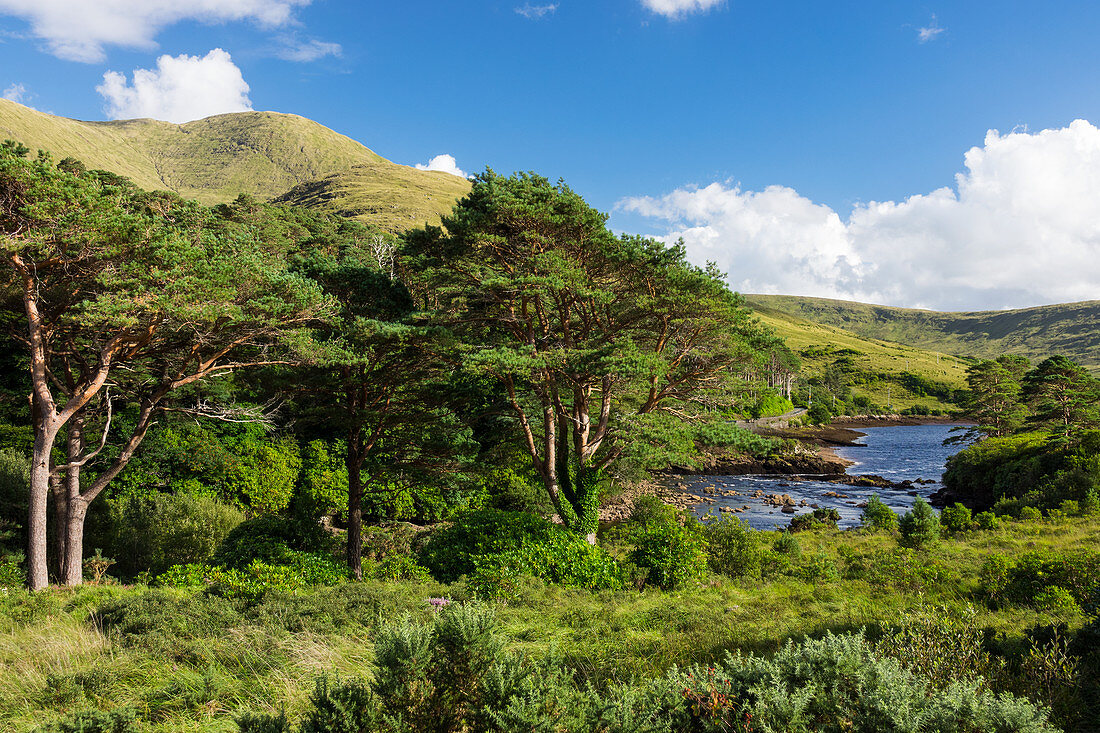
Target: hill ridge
[264,154]
[1071,329]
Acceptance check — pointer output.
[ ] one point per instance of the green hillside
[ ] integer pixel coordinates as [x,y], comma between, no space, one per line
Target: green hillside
[263,154]
[1071,329]
[394,198]
[890,374]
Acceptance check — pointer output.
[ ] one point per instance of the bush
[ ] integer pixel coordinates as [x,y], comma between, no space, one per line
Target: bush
[1025,580]
[120,720]
[816,518]
[733,548]
[15,481]
[1090,505]
[156,532]
[11,571]
[671,553]
[787,544]
[491,541]
[956,518]
[878,516]
[920,527]
[1056,600]
[271,539]
[837,683]
[1029,514]
[986,520]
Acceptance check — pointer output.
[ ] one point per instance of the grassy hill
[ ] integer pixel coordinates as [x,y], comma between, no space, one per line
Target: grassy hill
[890,374]
[263,154]
[1072,329]
[392,197]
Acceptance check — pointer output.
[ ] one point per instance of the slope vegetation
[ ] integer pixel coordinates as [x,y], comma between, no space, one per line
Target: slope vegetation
[262,154]
[1071,329]
[892,375]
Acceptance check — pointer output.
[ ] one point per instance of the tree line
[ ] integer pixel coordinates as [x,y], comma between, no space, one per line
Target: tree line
[521,327]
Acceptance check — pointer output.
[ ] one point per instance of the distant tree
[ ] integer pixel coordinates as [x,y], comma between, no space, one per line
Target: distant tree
[585,332]
[124,298]
[995,396]
[1063,396]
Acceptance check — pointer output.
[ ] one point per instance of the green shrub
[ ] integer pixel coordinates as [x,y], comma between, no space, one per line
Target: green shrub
[342,707]
[491,539]
[671,553]
[271,539]
[158,531]
[1090,505]
[1070,508]
[956,518]
[901,567]
[816,518]
[920,527]
[876,515]
[11,571]
[1056,600]
[120,720]
[1029,514]
[733,548]
[986,520]
[818,568]
[837,683]
[399,567]
[15,482]
[787,544]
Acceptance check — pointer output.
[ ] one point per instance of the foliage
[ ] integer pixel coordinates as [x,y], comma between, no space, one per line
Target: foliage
[152,533]
[120,720]
[1028,578]
[735,549]
[270,538]
[956,518]
[521,256]
[492,544]
[877,516]
[673,552]
[920,527]
[14,489]
[771,404]
[838,683]
[816,518]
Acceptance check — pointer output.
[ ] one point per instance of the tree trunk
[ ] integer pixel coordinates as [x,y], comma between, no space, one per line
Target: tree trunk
[73,562]
[38,576]
[60,518]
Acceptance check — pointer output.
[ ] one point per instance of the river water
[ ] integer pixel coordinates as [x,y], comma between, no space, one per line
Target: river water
[911,452]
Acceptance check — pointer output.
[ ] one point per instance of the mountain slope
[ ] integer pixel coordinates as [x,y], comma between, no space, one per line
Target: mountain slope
[1071,329]
[892,375]
[263,154]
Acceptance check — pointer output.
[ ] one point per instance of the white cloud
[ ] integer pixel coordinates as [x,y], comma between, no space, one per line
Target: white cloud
[929,32]
[535,12]
[1019,228]
[182,88]
[17,93]
[680,8]
[293,49]
[78,30]
[445,163]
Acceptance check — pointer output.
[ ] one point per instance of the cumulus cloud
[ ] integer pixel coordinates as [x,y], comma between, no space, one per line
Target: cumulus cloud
[17,93]
[294,49]
[1018,228]
[680,8]
[929,32]
[79,30]
[536,12]
[445,163]
[182,88]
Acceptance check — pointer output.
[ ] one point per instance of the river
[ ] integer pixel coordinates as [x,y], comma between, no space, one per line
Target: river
[911,452]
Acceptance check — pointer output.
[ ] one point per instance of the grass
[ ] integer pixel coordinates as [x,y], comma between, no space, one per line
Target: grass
[262,154]
[55,659]
[1070,329]
[820,346]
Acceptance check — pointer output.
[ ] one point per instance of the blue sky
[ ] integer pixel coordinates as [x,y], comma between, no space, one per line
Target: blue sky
[641,105]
